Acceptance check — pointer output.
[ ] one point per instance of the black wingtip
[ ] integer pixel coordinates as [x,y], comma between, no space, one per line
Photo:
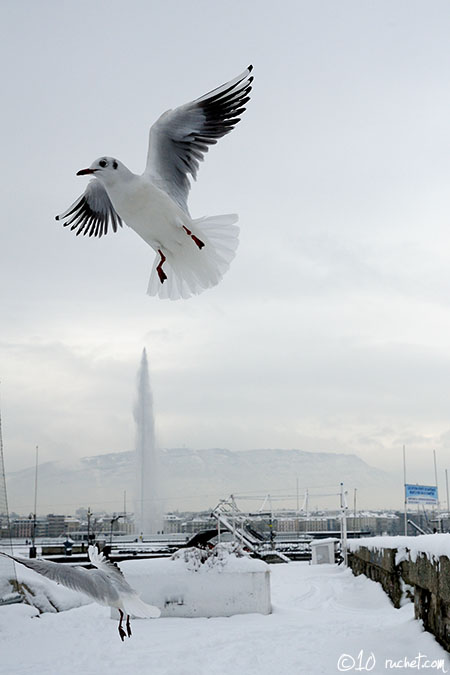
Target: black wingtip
[56,217]
[250,68]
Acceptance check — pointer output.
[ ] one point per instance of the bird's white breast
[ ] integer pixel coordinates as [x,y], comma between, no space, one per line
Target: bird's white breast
[149,211]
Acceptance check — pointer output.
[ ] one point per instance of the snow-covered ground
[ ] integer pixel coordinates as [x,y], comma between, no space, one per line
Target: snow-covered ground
[324,621]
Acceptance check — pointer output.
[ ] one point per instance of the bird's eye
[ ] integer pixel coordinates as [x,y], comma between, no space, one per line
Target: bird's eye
[115,165]
[103,163]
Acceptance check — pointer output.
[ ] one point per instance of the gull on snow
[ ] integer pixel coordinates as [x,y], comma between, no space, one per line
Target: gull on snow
[105,584]
[192,254]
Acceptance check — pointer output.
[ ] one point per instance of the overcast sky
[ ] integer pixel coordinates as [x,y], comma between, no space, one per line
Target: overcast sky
[331,330]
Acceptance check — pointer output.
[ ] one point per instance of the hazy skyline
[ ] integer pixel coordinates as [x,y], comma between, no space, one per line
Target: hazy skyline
[331,330]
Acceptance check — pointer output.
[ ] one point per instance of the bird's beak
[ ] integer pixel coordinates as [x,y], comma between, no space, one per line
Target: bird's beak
[84,172]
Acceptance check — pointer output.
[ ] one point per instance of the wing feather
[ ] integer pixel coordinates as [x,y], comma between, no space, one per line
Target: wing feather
[92,212]
[90,582]
[104,564]
[180,138]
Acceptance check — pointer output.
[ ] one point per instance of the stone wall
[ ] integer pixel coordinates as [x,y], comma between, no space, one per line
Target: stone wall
[425,581]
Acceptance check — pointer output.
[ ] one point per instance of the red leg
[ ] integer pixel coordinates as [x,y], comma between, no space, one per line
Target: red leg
[198,241]
[128,626]
[121,630]
[162,275]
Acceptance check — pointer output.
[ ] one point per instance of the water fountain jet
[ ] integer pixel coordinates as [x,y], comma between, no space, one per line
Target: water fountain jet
[148,508]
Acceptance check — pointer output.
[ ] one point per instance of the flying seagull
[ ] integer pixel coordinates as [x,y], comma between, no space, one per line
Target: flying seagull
[106,585]
[191,254]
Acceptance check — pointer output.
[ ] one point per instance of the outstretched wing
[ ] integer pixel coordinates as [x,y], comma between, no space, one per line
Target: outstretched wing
[180,137]
[76,578]
[92,213]
[103,564]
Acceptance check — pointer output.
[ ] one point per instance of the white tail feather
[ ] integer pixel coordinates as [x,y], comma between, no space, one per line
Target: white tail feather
[134,606]
[192,270]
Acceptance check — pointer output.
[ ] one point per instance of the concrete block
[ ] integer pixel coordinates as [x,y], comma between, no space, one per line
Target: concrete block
[206,592]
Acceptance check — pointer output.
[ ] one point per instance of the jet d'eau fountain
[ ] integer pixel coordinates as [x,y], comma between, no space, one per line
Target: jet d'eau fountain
[148,506]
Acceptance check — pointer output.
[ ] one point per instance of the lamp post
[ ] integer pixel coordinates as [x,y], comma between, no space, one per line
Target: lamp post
[32,517]
[90,537]
[114,519]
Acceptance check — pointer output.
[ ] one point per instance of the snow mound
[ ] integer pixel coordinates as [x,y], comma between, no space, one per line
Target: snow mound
[229,557]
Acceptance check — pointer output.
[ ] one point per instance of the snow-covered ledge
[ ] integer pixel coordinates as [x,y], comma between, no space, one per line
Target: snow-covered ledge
[194,583]
[432,545]
[417,568]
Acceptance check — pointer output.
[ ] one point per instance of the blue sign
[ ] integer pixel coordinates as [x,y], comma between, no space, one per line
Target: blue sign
[421,494]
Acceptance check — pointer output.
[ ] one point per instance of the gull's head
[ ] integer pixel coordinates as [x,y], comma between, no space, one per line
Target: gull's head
[107,169]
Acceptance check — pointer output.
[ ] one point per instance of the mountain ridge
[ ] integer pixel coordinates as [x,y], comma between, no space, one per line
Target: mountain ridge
[196,479]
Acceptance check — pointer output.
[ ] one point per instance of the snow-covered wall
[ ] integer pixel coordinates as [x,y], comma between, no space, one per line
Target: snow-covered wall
[414,567]
[432,545]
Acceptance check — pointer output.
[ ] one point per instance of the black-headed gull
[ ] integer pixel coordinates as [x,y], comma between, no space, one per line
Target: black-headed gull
[192,254]
[106,585]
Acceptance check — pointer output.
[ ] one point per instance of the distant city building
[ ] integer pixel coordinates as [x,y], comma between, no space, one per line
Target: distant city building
[197,524]
[56,525]
[172,524]
[283,523]
[375,523]
[4,527]
[22,527]
[287,524]
[71,524]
